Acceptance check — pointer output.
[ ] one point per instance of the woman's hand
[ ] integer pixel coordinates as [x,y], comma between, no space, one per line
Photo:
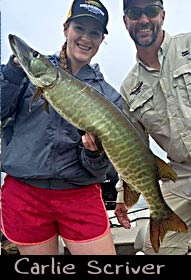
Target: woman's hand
[88,141]
[15,60]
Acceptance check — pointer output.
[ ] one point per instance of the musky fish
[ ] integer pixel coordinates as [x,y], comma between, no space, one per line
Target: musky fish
[90,111]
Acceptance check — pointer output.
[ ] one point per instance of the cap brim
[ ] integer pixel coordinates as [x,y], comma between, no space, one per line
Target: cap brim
[85,15]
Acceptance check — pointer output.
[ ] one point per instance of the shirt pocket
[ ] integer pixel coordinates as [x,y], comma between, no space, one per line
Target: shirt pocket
[182,81]
[148,110]
[141,102]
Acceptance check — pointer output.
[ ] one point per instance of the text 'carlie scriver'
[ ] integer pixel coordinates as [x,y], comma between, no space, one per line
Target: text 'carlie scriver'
[26,266]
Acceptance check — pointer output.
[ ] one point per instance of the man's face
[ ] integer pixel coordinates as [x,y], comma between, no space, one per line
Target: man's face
[144,26]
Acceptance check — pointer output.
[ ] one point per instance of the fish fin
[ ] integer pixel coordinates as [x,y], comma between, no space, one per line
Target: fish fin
[130,196]
[158,228]
[35,97]
[45,106]
[165,171]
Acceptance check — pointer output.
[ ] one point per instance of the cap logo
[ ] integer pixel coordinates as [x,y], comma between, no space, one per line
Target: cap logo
[94,3]
[92,9]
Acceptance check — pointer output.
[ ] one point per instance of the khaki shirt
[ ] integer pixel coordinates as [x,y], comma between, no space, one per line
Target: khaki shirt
[160,102]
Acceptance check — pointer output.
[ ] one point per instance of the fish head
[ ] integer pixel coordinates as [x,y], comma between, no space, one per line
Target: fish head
[38,68]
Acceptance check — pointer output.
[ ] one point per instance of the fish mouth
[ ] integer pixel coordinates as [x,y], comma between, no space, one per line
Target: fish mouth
[28,59]
[15,44]
[20,49]
[12,43]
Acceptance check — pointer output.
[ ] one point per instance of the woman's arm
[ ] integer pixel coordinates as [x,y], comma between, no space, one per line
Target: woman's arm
[12,77]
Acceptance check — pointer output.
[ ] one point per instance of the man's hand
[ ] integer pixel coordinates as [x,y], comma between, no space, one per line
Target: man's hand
[121,214]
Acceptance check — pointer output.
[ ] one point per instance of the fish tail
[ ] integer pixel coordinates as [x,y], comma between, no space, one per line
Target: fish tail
[158,228]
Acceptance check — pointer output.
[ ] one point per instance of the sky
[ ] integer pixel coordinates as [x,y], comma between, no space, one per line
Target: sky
[40,24]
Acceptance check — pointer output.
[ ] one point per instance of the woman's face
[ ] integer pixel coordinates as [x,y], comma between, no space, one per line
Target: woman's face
[84,36]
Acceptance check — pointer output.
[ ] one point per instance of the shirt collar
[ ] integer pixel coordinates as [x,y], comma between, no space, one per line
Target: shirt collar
[165,43]
[161,52]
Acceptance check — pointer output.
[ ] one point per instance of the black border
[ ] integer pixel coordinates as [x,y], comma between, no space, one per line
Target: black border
[174,266]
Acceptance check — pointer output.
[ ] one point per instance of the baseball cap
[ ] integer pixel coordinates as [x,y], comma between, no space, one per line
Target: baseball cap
[126,2]
[89,8]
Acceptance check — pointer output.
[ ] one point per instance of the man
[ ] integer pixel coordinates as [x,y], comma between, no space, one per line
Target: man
[157,98]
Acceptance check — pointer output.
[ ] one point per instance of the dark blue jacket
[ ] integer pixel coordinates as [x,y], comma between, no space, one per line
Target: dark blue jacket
[44,149]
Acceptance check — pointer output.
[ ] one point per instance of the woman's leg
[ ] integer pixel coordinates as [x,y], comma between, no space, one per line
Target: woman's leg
[100,246]
[48,248]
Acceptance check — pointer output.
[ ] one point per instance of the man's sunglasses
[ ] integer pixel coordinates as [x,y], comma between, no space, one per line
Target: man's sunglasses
[151,11]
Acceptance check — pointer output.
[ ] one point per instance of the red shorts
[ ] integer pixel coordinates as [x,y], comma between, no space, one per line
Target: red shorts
[32,215]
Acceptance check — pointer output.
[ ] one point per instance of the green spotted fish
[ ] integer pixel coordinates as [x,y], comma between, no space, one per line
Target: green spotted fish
[90,111]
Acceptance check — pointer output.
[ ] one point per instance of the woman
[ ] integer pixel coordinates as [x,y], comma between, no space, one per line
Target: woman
[53,174]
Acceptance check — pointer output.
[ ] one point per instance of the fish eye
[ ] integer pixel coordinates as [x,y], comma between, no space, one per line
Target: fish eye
[36,54]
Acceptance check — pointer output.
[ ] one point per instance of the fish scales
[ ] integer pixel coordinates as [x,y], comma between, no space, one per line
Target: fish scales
[98,117]
[90,111]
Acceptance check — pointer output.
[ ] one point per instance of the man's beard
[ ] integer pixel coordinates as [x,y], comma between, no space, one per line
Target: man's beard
[153,38]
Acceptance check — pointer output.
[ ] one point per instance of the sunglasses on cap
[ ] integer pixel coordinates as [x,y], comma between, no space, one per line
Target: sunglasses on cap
[151,11]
